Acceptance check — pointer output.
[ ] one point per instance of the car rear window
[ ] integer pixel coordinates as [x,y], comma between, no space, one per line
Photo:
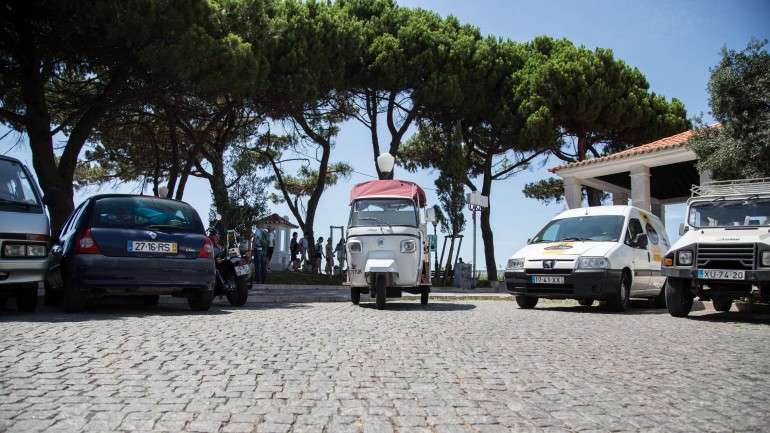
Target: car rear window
[145,213]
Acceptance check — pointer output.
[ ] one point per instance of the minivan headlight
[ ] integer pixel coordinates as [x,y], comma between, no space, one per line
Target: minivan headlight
[514,264]
[766,258]
[14,250]
[593,263]
[408,246]
[36,250]
[684,258]
[354,246]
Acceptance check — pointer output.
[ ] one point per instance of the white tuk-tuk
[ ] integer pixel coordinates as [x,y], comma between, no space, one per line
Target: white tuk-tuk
[387,241]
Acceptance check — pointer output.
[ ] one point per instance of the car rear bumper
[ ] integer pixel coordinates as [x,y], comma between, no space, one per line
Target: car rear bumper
[20,271]
[140,275]
[595,285]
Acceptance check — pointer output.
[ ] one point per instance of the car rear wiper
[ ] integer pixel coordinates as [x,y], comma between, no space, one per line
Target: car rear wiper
[167,227]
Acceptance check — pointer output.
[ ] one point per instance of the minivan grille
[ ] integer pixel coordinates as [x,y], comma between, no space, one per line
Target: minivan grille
[726,256]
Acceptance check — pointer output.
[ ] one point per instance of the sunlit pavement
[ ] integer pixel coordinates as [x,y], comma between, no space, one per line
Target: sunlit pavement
[482,366]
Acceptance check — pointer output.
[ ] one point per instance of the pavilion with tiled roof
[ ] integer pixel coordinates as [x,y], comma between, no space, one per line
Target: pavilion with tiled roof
[651,175]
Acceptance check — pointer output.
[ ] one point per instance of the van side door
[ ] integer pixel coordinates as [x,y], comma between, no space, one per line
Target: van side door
[657,246]
[640,269]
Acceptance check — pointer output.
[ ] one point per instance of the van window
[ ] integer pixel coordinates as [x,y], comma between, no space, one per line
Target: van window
[599,228]
[16,191]
[634,229]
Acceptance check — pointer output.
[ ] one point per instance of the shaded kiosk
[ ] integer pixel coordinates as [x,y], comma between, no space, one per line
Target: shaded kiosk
[282,228]
[650,175]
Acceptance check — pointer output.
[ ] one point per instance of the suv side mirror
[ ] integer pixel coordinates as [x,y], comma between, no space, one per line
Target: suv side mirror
[641,240]
[683,228]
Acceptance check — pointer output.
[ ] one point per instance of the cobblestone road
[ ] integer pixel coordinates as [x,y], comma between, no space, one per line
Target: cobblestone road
[453,367]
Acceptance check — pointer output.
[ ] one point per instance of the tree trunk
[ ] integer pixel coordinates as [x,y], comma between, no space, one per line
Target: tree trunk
[219,191]
[486,227]
[449,260]
[182,181]
[594,196]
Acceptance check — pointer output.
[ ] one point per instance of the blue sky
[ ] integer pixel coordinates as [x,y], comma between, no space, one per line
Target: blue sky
[673,43]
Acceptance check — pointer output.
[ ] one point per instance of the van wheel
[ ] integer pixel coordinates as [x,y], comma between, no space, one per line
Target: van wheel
[526,302]
[26,298]
[722,304]
[355,296]
[380,294]
[678,297]
[619,300]
[72,298]
[424,295]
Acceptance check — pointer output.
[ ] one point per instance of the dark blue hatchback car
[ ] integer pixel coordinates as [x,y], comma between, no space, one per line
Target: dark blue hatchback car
[131,245]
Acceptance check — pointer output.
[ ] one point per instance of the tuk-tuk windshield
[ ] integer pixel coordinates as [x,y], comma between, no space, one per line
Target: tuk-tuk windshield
[383,211]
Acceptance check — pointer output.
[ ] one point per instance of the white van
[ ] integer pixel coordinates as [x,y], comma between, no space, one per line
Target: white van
[604,253]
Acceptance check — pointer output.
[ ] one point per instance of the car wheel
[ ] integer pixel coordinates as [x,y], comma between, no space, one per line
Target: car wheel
[678,297]
[586,302]
[424,295]
[239,297]
[72,298]
[619,300]
[355,296]
[722,304]
[201,301]
[380,292]
[150,300]
[26,298]
[526,302]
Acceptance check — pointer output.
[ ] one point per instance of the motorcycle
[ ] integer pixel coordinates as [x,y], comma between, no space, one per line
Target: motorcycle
[233,270]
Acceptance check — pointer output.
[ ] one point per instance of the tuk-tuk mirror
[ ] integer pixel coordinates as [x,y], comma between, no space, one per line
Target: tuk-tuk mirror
[683,229]
[430,215]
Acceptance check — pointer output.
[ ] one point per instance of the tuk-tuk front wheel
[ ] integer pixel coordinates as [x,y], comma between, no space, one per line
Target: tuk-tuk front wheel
[380,292]
[355,295]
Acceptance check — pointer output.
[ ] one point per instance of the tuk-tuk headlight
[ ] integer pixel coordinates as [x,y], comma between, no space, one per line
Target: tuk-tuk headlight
[684,258]
[585,263]
[765,258]
[514,264]
[354,246]
[408,246]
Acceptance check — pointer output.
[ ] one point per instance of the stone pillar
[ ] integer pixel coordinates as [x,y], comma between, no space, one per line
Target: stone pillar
[640,187]
[573,192]
[659,209]
[619,199]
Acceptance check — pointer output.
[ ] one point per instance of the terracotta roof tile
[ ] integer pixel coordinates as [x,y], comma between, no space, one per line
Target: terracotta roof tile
[674,141]
[276,219]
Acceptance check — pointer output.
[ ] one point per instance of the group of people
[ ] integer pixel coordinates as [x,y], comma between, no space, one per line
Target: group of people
[302,258]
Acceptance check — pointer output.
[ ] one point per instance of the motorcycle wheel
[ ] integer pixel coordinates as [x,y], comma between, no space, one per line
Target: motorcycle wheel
[240,295]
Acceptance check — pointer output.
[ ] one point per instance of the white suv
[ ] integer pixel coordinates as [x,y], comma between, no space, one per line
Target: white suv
[724,251]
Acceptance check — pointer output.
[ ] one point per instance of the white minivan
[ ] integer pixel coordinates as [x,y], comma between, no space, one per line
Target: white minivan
[602,253]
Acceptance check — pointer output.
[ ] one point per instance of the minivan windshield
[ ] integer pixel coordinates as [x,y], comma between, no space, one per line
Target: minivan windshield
[730,213]
[599,228]
[383,211]
[145,213]
[16,190]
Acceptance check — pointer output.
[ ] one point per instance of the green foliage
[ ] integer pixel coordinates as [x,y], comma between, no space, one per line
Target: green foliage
[739,96]
[546,190]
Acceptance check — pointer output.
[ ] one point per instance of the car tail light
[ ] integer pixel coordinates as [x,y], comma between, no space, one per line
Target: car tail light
[86,244]
[207,250]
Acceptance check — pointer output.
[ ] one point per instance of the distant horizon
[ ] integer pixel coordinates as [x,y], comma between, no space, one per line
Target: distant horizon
[673,45]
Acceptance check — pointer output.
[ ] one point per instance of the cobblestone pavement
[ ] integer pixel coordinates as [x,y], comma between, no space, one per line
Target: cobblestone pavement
[478,367]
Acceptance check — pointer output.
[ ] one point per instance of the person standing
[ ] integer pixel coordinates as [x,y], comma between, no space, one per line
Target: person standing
[340,251]
[303,252]
[270,246]
[318,255]
[329,257]
[259,245]
[294,251]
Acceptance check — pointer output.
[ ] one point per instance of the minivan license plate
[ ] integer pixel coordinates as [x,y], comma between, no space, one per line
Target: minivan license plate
[547,279]
[152,247]
[721,274]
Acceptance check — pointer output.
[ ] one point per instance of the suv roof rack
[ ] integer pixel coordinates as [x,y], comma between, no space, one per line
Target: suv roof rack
[724,188]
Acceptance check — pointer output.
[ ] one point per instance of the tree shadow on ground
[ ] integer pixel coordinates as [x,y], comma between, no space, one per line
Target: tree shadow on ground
[115,308]
[733,317]
[414,306]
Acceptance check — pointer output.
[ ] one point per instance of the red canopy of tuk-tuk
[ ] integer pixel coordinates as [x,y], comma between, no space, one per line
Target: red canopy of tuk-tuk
[389,188]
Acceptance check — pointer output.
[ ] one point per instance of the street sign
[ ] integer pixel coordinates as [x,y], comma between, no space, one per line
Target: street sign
[433,242]
[476,200]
